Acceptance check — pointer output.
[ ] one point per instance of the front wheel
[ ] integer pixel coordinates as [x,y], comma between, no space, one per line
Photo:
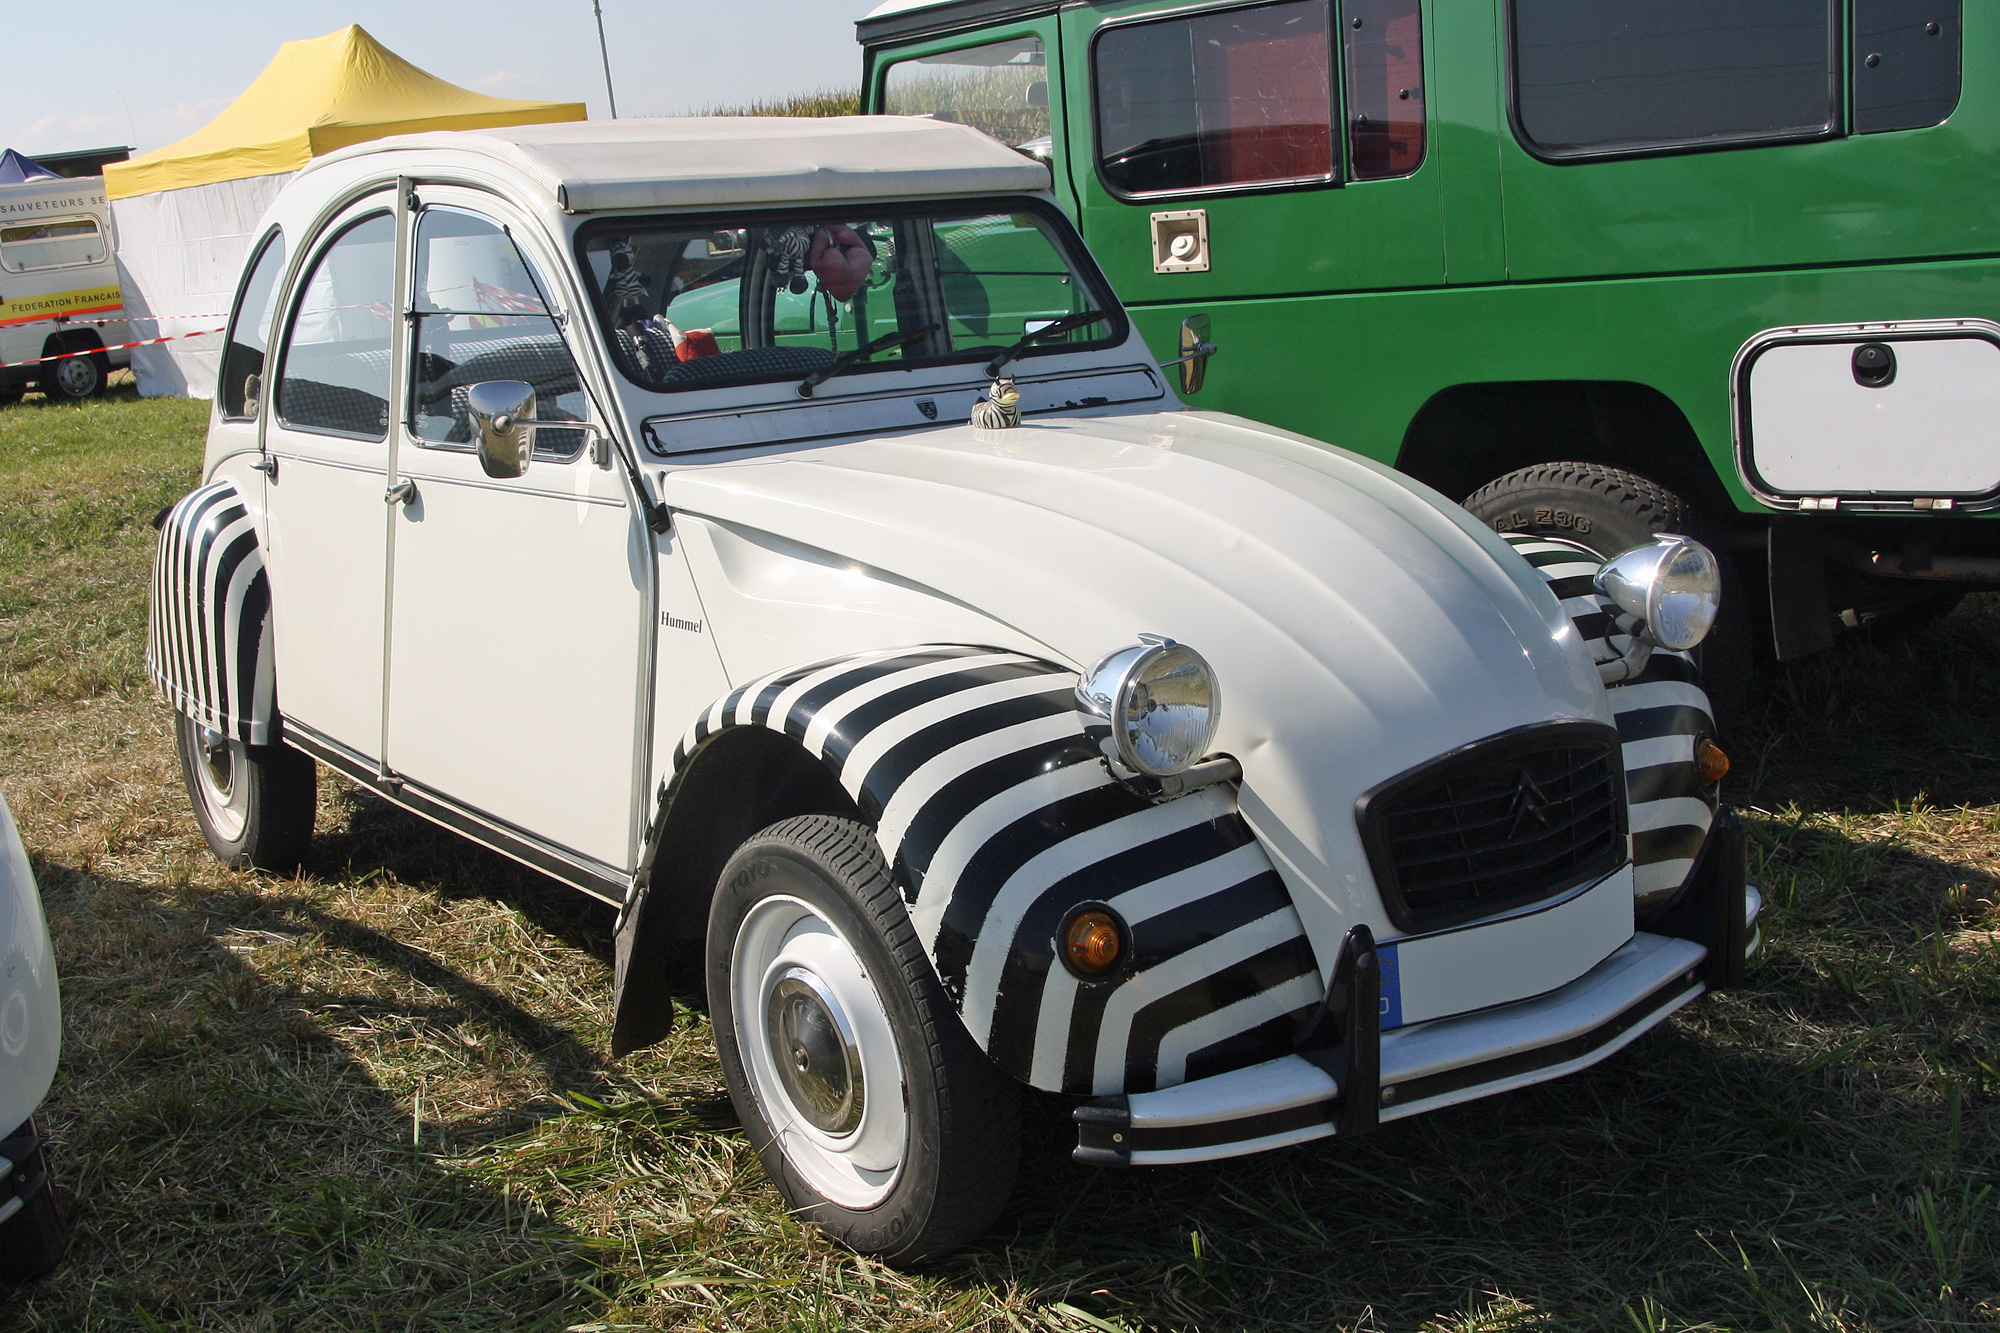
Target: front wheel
[873,1112]
[34,1234]
[1609,511]
[255,803]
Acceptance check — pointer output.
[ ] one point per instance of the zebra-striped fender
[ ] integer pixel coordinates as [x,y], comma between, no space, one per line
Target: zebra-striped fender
[208,631]
[1660,712]
[1000,819]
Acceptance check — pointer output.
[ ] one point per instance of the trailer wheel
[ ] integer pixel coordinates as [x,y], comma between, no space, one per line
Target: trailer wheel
[1610,510]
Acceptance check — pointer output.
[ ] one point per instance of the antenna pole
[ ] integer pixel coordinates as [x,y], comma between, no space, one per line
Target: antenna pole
[605,51]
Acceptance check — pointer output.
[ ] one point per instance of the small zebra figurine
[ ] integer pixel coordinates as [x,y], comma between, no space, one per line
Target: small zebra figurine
[1000,408]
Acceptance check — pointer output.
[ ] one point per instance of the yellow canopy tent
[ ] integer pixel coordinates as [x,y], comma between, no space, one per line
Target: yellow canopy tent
[315,96]
[184,213]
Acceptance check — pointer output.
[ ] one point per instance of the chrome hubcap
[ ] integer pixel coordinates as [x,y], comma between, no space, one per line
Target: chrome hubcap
[812,1047]
[819,1053]
[218,763]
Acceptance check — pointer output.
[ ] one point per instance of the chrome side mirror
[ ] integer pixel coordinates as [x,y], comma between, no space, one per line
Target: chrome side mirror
[503,425]
[1195,351]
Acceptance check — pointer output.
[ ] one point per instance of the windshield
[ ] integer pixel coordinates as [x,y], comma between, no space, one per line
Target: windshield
[721,301]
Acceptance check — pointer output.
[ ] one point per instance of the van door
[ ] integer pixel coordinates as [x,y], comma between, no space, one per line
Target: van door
[518,604]
[327,444]
[999,81]
[1291,137]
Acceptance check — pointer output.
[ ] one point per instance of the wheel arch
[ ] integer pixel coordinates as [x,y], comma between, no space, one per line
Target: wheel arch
[208,620]
[1469,434]
[732,784]
[973,768]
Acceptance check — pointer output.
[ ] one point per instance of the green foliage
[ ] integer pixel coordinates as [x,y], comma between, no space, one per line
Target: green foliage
[825,102]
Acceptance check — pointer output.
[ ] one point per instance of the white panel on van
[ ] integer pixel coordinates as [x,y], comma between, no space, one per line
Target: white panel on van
[1877,410]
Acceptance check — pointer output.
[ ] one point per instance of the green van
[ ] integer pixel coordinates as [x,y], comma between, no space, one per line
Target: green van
[1598,267]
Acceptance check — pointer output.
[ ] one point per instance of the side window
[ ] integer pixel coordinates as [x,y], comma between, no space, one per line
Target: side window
[58,243]
[481,315]
[1237,97]
[1385,87]
[336,373]
[1620,76]
[1907,68]
[249,327]
[1001,88]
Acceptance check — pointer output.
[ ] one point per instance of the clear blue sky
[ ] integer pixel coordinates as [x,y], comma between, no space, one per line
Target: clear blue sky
[126,72]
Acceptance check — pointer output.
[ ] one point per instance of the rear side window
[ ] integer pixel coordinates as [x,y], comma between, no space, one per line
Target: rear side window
[249,332]
[1907,64]
[58,243]
[1001,88]
[1594,77]
[1384,41]
[336,376]
[1228,98]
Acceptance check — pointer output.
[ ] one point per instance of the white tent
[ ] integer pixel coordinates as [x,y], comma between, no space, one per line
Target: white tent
[184,213]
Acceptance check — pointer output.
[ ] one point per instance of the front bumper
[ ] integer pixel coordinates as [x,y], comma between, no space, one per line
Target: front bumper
[1427,1066]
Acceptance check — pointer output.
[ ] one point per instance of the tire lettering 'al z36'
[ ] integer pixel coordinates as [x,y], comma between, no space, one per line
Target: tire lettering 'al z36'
[999,817]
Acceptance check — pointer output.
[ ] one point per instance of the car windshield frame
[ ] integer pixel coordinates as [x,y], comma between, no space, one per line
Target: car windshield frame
[1066,247]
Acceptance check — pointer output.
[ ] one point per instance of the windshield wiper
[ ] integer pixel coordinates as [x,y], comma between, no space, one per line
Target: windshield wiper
[886,342]
[1063,325]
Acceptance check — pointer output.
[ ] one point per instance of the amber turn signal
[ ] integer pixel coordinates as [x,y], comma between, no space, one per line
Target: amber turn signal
[1094,942]
[1710,762]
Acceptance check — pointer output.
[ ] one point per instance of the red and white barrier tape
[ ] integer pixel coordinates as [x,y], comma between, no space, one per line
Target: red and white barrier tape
[115,347]
[108,319]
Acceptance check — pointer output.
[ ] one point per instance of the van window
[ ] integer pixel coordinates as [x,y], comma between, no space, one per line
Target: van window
[1385,87]
[1230,98]
[481,316]
[1001,88]
[1615,76]
[57,243]
[1906,63]
[336,375]
[249,328]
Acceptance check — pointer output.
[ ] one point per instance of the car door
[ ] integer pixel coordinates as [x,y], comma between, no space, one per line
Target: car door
[327,449]
[518,605]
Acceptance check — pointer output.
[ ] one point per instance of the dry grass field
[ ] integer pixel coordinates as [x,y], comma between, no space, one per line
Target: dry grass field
[377,1096]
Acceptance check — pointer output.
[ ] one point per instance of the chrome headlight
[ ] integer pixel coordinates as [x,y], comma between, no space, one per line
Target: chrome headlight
[1672,583]
[1151,706]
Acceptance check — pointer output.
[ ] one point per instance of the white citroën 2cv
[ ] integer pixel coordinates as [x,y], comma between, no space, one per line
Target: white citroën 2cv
[607,493]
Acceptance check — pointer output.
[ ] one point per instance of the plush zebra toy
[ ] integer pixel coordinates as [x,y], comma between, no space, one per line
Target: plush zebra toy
[1000,408]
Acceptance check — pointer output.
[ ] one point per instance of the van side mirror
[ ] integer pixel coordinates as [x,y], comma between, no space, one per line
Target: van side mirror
[1195,351]
[503,425]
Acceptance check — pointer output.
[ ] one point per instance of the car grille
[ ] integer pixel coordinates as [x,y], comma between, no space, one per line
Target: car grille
[1502,823]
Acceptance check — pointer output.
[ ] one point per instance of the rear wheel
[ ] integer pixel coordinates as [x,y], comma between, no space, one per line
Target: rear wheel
[74,378]
[255,803]
[1609,511]
[874,1113]
[33,1237]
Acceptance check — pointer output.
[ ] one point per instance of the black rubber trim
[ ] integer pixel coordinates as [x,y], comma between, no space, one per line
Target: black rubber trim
[1216,1132]
[572,868]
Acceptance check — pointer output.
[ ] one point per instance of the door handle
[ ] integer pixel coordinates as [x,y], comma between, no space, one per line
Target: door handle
[403,493]
[266,464]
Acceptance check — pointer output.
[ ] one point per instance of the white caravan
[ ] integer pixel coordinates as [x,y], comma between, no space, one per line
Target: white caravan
[58,289]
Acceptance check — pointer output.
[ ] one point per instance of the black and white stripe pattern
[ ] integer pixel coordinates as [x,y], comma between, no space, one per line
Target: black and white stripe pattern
[1000,818]
[1660,712]
[208,631]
